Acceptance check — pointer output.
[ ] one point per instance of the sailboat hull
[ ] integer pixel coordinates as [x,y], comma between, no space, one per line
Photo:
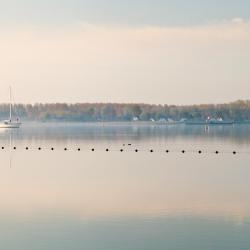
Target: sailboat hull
[10,125]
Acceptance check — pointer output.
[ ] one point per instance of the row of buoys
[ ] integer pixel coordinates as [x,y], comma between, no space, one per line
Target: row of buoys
[135,150]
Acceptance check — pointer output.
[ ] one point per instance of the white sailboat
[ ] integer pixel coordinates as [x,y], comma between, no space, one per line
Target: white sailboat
[11,123]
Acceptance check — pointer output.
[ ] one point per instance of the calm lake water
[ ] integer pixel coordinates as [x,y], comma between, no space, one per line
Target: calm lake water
[77,200]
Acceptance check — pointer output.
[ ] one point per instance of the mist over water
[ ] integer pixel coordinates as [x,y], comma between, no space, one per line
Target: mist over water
[124,200]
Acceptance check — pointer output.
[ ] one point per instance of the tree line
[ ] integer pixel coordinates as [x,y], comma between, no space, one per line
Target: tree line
[237,111]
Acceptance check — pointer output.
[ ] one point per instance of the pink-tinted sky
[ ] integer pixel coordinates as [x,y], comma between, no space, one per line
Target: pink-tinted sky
[82,56]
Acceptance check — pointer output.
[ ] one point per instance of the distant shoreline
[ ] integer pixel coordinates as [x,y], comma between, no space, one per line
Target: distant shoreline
[125,124]
[238,112]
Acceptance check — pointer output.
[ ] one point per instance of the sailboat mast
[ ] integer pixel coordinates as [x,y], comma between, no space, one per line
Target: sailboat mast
[10,104]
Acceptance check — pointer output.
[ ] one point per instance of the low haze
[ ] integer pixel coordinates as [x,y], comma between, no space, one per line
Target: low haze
[110,138]
[141,51]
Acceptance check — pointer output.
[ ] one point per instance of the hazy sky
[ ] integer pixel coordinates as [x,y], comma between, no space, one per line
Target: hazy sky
[175,52]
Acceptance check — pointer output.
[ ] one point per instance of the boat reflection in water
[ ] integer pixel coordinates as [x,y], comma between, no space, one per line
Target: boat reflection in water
[210,121]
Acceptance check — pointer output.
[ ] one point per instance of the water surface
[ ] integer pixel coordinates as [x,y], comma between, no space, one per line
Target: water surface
[124,200]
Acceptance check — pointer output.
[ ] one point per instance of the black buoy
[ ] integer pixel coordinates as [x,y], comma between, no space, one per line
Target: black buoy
[14,148]
[121,150]
[234,152]
[107,149]
[216,152]
[26,148]
[2,147]
[167,151]
[52,149]
[78,149]
[183,151]
[65,149]
[39,148]
[151,150]
[136,150]
[92,149]
[199,151]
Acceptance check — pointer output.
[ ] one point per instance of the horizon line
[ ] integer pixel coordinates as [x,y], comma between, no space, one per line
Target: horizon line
[127,103]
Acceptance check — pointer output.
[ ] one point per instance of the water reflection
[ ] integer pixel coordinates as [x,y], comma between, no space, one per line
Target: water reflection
[132,233]
[99,200]
[99,185]
[87,132]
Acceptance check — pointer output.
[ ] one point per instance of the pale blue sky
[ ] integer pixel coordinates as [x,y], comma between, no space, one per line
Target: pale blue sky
[174,52]
[132,12]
